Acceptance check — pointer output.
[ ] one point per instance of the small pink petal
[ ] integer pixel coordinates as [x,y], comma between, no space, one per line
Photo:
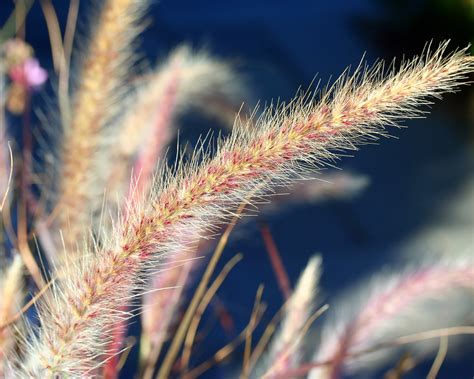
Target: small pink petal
[34,73]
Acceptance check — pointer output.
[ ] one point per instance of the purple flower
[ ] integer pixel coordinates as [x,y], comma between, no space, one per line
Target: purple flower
[29,74]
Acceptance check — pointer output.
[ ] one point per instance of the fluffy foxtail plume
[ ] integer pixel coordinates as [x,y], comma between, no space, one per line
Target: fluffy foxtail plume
[79,311]
[286,351]
[392,307]
[95,101]
[11,297]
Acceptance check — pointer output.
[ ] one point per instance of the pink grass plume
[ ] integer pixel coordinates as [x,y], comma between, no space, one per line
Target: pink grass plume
[287,349]
[391,307]
[80,309]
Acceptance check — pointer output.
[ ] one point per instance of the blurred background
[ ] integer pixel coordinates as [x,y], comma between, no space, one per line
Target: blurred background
[420,199]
